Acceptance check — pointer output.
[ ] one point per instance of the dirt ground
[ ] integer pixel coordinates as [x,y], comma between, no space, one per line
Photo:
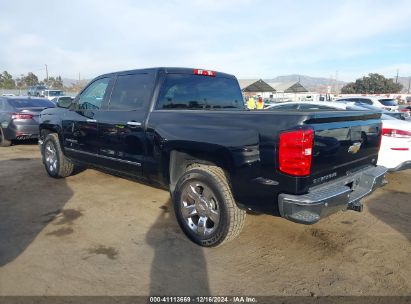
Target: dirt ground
[96,234]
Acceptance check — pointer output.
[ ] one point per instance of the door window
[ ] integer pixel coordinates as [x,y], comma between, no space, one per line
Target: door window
[131,92]
[364,100]
[92,97]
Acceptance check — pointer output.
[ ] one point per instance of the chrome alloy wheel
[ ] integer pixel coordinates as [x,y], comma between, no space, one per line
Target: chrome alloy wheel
[50,156]
[199,208]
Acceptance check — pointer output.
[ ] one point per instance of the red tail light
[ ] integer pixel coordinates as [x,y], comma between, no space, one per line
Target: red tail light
[21,116]
[204,72]
[396,133]
[295,152]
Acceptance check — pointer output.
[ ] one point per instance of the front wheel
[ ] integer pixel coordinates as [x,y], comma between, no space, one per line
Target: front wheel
[205,208]
[56,164]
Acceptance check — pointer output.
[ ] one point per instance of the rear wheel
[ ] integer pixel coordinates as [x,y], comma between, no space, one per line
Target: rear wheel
[3,141]
[205,208]
[56,164]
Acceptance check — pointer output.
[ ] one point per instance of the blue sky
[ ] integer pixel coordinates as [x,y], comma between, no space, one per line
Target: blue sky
[251,39]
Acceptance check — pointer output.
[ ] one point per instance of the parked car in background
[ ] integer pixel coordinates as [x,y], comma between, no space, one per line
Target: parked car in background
[395,150]
[19,118]
[36,90]
[385,103]
[405,110]
[62,101]
[394,113]
[50,94]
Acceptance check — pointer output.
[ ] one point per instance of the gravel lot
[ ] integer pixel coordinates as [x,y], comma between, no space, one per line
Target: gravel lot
[96,234]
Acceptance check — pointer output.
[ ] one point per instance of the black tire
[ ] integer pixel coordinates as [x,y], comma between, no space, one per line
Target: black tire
[231,218]
[62,167]
[3,141]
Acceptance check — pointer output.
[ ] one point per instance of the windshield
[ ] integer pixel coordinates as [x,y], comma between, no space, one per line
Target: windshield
[194,92]
[65,99]
[31,103]
[388,102]
[55,93]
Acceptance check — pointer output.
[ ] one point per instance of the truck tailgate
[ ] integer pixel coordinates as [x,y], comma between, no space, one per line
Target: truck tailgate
[343,143]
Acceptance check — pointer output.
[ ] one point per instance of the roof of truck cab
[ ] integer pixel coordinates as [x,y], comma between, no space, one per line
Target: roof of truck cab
[168,70]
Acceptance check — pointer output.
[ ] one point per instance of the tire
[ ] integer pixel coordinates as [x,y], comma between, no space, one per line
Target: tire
[205,208]
[56,164]
[3,141]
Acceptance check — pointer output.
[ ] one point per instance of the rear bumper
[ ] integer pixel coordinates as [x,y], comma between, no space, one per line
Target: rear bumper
[22,131]
[328,198]
[403,166]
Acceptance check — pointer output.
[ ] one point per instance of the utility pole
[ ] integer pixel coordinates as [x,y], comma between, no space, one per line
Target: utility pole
[78,76]
[409,83]
[47,73]
[396,78]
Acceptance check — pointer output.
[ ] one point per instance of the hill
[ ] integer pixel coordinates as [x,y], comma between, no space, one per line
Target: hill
[314,84]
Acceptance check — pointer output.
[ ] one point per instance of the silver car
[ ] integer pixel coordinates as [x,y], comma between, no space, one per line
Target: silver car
[19,118]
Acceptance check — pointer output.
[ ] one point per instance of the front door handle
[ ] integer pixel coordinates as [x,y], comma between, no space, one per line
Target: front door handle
[91,120]
[134,124]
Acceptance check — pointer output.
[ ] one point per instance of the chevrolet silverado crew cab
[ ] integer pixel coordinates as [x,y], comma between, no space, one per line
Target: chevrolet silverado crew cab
[188,131]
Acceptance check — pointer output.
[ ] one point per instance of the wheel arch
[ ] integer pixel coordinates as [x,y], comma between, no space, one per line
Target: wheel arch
[180,159]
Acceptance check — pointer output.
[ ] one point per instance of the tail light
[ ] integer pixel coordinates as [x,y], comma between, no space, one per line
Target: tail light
[396,133]
[295,152]
[204,73]
[21,116]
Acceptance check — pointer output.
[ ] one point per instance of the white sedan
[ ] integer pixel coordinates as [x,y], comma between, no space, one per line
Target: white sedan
[395,150]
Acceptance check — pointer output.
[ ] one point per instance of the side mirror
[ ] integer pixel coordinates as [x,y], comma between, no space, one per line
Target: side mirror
[64,103]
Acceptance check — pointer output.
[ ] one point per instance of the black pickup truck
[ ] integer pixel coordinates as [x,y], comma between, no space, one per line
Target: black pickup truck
[187,130]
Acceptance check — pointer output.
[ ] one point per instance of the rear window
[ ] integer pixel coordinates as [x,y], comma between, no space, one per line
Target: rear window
[388,102]
[195,92]
[31,103]
[55,93]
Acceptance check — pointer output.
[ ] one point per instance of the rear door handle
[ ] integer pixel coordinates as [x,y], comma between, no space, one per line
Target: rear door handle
[91,120]
[133,124]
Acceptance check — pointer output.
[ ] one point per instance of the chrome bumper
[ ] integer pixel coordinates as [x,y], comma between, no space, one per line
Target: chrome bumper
[328,198]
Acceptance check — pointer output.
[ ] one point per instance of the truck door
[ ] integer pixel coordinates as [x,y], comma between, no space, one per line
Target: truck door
[80,124]
[121,127]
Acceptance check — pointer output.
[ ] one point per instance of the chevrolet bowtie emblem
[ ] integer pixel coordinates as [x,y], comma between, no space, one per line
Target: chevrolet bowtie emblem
[354,148]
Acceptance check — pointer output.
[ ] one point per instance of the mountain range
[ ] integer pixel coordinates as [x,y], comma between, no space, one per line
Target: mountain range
[313,84]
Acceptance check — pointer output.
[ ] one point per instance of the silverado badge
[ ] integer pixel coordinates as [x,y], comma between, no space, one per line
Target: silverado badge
[354,148]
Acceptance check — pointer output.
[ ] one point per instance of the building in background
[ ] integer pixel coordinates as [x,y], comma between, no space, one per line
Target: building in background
[284,91]
[256,87]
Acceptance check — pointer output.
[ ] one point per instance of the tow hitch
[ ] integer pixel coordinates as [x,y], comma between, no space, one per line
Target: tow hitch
[356,206]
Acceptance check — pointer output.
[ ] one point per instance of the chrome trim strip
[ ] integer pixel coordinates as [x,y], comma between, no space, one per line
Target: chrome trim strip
[105,157]
[134,123]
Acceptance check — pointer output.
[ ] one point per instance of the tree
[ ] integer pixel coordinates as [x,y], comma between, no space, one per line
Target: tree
[372,84]
[55,83]
[20,82]
[7,81]
[30,80]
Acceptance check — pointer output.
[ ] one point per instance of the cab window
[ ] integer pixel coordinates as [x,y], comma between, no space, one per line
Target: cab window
[131,92]
[92,97]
